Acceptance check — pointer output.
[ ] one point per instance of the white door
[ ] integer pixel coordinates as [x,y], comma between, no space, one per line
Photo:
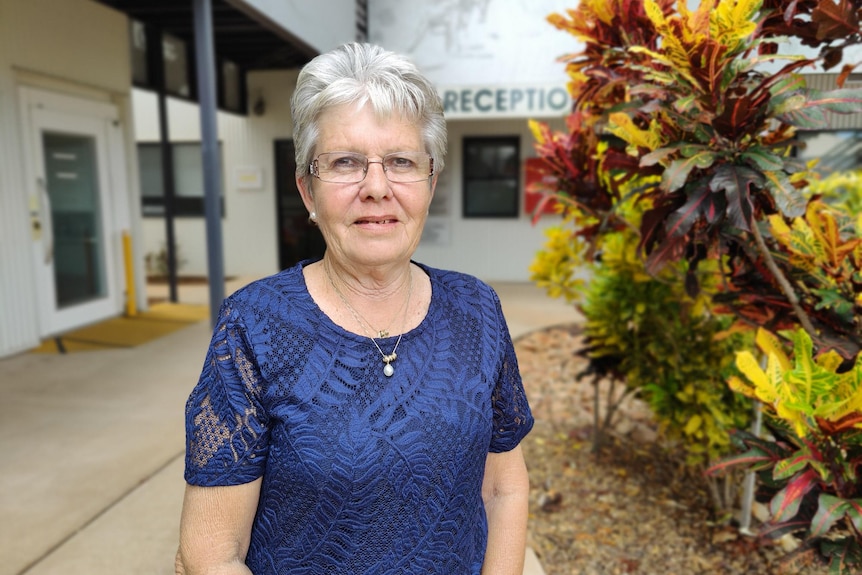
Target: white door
[73,232]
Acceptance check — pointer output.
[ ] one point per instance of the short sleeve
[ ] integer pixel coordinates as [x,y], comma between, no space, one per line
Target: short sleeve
[513,419]
[226,429]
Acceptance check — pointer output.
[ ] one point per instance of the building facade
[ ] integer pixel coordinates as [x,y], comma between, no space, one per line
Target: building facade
[495,63]
[72,241]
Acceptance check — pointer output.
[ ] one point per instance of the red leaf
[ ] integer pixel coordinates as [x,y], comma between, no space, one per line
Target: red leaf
[785,505]
[835,21]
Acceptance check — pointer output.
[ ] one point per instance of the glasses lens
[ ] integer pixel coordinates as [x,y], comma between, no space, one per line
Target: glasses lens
[406,167]
[341,167]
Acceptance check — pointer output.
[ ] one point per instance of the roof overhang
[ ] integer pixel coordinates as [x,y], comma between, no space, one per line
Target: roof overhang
[247,39]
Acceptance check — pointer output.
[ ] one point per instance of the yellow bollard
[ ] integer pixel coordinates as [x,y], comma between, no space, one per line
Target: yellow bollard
[131,300]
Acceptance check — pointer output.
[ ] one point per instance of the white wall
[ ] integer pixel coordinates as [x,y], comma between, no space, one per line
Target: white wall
[249,227]
[77,40]
[475,41]
[321,25]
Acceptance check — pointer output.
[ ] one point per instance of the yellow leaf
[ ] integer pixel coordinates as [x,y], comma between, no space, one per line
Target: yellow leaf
[771,345]
[780,229]
[749,366]
[693,424]
[733,20]
[654,13]
[537,129]
[830,360]
[739,386]
[621,125]
[601,8]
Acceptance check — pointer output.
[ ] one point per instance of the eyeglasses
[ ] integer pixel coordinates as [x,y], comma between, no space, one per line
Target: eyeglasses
[351,168]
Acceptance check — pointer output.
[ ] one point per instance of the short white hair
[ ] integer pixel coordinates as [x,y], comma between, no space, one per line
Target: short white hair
[360,74]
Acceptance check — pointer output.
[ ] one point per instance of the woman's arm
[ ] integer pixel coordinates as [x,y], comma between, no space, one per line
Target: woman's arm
[215,529]
[506,490]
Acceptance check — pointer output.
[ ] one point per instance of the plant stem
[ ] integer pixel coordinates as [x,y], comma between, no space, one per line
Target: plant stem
[783,283]
[597,431]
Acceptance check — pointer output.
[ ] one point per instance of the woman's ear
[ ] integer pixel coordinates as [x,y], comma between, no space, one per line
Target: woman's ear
[303,184]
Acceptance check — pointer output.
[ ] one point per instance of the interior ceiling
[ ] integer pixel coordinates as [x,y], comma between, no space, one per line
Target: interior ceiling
[238,37]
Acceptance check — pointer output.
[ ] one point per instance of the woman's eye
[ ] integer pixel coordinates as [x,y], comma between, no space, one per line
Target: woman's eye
[400,162]
[346,163]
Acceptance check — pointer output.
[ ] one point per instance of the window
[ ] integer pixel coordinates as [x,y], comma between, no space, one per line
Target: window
[176,57]
[140,69]
[188,180]
[491,177]
[231,77]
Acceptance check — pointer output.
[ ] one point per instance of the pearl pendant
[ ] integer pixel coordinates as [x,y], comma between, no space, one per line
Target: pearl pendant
[388,370]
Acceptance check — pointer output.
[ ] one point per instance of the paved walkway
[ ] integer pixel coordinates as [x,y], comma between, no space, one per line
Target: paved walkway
[92,444]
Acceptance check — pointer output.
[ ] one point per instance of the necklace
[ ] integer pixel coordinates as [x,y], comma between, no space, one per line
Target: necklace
[388,370]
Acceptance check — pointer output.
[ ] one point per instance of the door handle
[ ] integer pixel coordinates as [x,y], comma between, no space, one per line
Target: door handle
[46,222]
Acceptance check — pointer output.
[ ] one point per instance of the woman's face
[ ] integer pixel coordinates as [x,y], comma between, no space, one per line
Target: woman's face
[375,222]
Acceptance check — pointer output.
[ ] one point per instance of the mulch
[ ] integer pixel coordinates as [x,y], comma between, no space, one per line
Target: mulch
[631,509]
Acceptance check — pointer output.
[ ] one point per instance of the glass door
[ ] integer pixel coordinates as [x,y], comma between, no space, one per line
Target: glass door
[74,248]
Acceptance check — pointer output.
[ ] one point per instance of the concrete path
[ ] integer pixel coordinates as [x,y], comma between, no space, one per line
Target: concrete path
[92,443]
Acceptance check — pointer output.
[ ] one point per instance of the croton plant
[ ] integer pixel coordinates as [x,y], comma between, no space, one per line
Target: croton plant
[703,108]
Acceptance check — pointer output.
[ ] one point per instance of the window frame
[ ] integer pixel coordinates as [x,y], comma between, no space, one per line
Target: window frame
[184,206]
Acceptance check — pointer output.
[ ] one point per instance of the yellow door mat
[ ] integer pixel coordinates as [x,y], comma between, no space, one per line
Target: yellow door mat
[119,332]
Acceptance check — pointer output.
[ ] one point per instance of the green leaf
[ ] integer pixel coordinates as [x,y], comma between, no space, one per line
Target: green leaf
[810,114]
[778,530]
[829,510]
[787,468]
[805,118]
[842,101]
[764,159]
[753,459]
[657,156]
[854,512]
[789,200]
[830,299]
[676,175]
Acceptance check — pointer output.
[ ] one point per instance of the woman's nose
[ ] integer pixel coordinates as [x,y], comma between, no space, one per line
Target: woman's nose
[375,183]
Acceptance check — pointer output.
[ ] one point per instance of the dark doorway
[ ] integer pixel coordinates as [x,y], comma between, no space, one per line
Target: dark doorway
[298,239]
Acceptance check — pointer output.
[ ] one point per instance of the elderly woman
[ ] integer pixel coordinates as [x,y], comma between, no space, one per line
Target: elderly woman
[361,413]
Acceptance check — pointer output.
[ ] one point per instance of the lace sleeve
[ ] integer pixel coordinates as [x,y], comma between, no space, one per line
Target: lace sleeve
[512,417]
[226,432]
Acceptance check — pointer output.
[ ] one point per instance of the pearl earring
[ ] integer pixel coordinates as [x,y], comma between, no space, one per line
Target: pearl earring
[312,216]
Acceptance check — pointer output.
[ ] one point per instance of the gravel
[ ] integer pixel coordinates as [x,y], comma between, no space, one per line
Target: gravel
[631,509]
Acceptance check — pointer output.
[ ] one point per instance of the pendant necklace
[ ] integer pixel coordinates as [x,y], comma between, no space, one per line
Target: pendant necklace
[388,370]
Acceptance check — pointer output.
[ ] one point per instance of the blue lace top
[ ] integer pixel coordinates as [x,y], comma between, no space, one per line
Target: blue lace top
[362,473]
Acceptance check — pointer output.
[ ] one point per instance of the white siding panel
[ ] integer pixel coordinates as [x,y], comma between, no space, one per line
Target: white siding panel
[18,319]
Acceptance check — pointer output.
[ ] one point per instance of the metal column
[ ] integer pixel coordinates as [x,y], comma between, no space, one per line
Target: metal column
[206,73]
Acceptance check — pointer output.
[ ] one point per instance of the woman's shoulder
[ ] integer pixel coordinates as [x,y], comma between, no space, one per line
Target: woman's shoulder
[279,289]
[458,285]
